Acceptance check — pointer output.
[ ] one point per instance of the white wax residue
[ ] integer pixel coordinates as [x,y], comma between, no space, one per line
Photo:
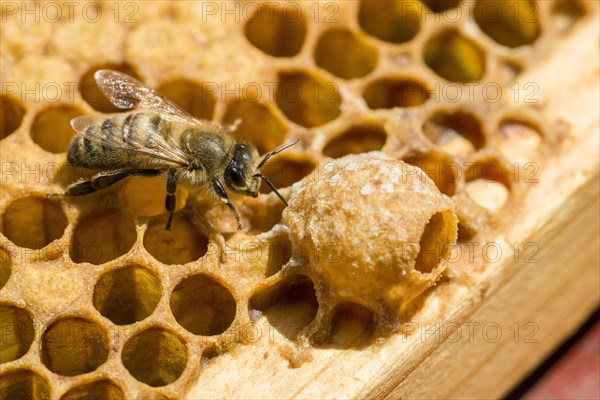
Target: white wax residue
[367,189]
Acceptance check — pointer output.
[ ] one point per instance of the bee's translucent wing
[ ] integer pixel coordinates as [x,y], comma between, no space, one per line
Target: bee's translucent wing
[126,92]
[80,124]
[150,143]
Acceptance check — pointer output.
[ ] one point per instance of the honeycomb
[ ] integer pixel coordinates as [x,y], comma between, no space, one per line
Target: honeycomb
[97,299]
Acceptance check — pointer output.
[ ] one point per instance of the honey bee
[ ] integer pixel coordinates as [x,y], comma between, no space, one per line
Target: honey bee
[159,138]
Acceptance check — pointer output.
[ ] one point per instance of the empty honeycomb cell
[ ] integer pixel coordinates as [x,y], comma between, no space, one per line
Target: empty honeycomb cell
[352,325]
[212,213]
[145,196]
[102,236]
[23,384]
[277,31]
[395,92]
[280,252]
[488,184]
[263,216]
[210,353]
[518,140]
[97,390]
[344,54]
[395,21]
[11,113]
[489,169]
[33,222]
[155,356]
[465,232]
[92,94]
[51,128]
[289,305]
[307,99]
[488,194]
[285,170]
[259,125]
[440,168]
[457,133]
[203,306]
[127,295]
[358,138]
[180,245]
[441,5]
[436,242]
[566,13]
[5,268]
[197,99]
[508,70]
[454,57]
[509,23]
[17,332]
[73,346]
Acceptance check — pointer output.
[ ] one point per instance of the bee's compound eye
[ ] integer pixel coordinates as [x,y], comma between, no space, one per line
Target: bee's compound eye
[237,178]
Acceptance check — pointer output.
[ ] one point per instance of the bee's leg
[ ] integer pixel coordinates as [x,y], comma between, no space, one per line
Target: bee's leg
[80,188]
[103,180]
[220,191]
[170,200]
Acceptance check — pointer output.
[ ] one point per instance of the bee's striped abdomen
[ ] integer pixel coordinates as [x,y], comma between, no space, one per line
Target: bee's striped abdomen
[122,141]
[104,153]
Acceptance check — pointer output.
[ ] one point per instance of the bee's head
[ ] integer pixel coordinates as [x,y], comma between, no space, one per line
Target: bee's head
[241,173]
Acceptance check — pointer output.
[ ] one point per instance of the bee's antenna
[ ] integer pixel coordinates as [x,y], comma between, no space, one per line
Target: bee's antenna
[273,187]
[272,153]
